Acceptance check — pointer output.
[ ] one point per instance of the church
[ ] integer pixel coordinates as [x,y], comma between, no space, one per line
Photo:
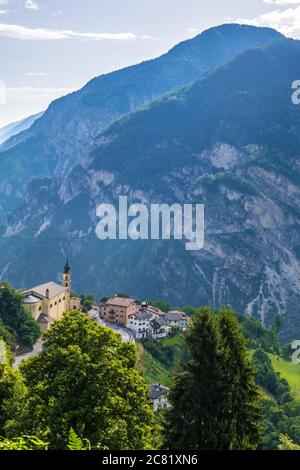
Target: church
[49,301]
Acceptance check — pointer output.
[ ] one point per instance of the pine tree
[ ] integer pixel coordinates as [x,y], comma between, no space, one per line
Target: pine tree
[214,400]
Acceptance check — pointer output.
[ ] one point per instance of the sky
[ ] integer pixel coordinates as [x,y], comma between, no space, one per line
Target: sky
[49,48]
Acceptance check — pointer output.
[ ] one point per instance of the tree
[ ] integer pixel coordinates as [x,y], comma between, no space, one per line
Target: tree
[267,378]
[287,444]
[87,302]
[85,379]
[15,318]
[12,396]
[214,401]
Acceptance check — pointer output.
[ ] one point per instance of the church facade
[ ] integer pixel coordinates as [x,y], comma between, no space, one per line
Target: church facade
[48,302]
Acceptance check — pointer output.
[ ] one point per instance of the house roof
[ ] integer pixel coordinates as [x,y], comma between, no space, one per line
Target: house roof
[44,318]
[142,315]
[54,290]
[157,390]
[157,323]
[176,316]
[120,302]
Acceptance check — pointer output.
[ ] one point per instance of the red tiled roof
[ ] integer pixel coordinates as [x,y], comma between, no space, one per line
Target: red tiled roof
[120,302]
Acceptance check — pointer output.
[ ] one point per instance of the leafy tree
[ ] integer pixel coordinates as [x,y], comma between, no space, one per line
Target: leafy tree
[267,378]
[87,301]
[15,318]
[85,379]
[215,400]
[258,336]
[23,443]
[287,444]
[162,305]
[280,420]
[12,396]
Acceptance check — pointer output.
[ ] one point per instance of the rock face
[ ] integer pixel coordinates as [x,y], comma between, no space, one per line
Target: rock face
[230,140]
[66,132]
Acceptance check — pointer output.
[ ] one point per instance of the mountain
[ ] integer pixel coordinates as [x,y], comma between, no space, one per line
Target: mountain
[15,128]
[66,132]
[229,140]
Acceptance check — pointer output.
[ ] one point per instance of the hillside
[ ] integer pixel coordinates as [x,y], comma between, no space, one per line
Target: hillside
[159,361]
[229,141]
[66,131]
[288,371]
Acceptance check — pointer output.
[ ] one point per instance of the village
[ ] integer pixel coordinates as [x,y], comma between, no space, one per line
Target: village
[135,321]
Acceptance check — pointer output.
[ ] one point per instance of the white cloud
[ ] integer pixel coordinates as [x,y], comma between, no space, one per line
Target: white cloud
[286,21]
[40,34]
[3,3]
[32,5]
[36,74]
[282,2]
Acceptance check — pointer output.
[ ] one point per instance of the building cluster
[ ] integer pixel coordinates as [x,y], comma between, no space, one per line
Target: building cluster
[48,302]
[144,320]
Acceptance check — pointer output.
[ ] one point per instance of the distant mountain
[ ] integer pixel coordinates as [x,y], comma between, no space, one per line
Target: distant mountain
[66,132]
[230,141]
[15,128]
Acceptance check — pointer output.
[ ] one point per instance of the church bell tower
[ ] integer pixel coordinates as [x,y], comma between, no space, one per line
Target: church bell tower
[67,280]
[67,276]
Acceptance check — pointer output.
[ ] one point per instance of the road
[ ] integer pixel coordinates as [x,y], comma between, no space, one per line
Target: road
[126,334]
[37,349]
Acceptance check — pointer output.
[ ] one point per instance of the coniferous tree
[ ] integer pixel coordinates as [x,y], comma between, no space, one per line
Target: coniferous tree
[214,401]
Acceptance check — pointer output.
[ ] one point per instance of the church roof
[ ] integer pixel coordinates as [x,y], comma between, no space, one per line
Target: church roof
[31,299]
[53,288]
[43,318]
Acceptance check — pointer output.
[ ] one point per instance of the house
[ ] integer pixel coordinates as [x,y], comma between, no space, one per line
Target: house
[158,328]
[48,302]
[159,396]
[139,323]
[177,319]
[118,309]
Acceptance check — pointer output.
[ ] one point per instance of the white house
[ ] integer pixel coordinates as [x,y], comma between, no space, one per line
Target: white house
[139,323]
[159,396]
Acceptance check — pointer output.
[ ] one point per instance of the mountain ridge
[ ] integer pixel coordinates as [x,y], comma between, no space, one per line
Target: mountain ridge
[66,132]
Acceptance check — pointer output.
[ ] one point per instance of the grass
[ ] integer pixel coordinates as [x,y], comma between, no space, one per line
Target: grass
[288,371]
[151,368]
[161,370]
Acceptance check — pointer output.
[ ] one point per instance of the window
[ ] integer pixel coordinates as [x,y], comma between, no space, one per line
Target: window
[51,305]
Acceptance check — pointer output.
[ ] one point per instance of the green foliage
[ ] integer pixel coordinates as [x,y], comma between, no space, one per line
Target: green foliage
[17,321]
[86,379]
[215,400]
[23,443]
[267,378]
[287,444]
[159,360]
[280,420]
[162,305]
[13,393]
[258,336]
[76,443]
[87,301]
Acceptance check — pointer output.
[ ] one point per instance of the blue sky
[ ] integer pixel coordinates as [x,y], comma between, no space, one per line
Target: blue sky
[51,47]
